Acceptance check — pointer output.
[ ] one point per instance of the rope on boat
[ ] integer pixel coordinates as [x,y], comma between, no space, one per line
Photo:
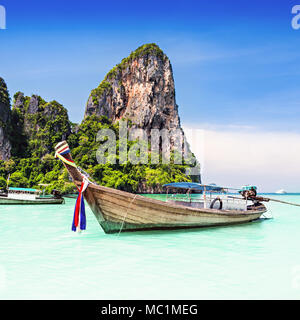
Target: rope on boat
[87,176]
[125,216]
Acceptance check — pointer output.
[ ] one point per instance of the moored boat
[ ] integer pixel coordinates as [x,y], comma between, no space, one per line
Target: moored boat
[119,211]
[17,196]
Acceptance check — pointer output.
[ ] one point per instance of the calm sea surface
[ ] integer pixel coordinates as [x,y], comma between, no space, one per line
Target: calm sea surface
[40,258]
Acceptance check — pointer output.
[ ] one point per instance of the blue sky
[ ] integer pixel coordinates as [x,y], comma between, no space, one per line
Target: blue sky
[235,62]
[236,67]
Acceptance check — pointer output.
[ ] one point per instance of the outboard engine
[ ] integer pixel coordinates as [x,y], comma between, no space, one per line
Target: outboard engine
[249,192]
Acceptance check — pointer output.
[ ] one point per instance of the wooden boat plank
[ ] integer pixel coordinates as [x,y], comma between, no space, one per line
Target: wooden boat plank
[149,213]
[129,216]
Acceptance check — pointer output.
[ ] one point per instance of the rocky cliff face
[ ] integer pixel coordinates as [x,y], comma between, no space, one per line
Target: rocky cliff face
[41,124]
[140,88]
[5,116]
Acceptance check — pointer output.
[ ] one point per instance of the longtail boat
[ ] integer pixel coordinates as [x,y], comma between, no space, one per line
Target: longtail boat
[118,211]
[26,196]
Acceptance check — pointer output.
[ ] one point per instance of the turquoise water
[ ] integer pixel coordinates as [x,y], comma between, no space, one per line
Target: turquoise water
[40,258]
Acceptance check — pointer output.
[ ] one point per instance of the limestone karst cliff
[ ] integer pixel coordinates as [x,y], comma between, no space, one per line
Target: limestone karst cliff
[140,88]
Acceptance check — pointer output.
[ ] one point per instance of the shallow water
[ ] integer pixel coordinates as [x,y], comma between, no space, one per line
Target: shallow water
[40,258]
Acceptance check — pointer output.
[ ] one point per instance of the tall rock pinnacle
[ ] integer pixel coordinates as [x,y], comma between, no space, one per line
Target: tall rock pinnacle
[140,88]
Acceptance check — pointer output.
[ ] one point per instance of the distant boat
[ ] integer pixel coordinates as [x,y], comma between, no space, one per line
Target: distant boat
[281,191]
[28,196]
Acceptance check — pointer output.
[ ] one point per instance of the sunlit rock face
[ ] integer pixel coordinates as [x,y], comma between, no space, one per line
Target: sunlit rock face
[141,88]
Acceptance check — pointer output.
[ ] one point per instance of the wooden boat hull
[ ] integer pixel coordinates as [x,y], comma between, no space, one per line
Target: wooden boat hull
[119,211]
[8,201]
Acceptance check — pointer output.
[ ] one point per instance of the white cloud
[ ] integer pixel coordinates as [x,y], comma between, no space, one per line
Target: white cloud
[234,157]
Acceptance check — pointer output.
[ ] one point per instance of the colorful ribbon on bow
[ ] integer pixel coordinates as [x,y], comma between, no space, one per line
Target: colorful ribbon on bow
[79,220]
[63,150]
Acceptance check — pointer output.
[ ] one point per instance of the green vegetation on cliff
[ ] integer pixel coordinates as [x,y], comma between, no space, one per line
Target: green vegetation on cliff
[37,126]
[4,96]
[126,176]
[34,170]
[145,50]
[104,86]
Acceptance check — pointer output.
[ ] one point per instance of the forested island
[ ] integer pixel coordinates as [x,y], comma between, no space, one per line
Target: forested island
[139,90]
